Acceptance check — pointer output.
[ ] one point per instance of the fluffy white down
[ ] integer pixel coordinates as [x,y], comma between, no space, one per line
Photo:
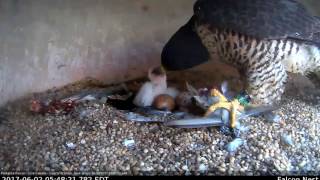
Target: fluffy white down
[149,91]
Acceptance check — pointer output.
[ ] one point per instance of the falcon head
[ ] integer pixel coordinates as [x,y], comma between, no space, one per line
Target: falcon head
[184,49]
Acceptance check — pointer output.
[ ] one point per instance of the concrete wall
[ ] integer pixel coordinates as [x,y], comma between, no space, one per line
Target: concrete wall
[313,5]
[47,43]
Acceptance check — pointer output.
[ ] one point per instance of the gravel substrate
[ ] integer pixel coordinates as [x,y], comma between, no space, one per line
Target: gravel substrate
[92,139]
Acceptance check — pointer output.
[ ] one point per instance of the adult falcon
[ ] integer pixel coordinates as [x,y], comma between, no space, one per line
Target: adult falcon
[263,39]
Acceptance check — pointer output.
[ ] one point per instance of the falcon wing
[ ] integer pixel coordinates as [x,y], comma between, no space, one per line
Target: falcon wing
[264,19]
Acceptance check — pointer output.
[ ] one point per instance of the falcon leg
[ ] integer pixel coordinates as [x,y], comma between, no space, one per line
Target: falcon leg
[266,81]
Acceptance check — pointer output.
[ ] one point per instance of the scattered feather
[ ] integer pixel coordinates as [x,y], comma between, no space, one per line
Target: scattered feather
[71,146]
[129,143]
[272,118]
[224,87]
[234,145]
[286,140]
[192,90]
[203,168]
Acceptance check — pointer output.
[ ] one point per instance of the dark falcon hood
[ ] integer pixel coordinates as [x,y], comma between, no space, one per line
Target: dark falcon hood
[184,49]
[263,19]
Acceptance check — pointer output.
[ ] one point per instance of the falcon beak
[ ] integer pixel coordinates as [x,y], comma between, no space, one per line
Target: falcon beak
[184,50]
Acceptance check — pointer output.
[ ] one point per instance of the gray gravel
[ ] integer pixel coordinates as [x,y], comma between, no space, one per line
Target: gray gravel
[92,140]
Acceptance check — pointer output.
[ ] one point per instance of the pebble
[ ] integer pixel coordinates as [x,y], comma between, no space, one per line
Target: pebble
[232,160]
[203,168]
[71,146]
[234,145]
[129,143]
[302,164]
[222,169]
[185,168]
[286,140]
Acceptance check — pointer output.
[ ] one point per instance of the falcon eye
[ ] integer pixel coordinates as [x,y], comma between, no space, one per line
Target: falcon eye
[197,10]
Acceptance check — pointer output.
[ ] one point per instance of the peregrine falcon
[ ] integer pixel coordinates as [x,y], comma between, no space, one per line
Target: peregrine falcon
[263,39]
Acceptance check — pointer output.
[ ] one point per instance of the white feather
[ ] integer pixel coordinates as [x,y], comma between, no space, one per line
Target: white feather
[149,91]
[145,95]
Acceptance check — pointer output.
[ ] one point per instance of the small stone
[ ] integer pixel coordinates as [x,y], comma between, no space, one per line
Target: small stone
[103,100]
[65,169]
[302,164]
[155,128]
[286,140]
[129,143]
[203,168]
[242,170]
[234,145]
[84,163]
[71,146]
[222,170]
[232,160]
[185,168]
[160,168]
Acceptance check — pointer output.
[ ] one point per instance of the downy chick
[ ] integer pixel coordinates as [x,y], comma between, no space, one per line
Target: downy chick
[151,89]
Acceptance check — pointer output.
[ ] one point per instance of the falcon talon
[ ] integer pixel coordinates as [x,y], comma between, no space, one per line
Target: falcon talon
[232,106]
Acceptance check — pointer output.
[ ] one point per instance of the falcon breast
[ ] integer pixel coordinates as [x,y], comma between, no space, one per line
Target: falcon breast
[263,39]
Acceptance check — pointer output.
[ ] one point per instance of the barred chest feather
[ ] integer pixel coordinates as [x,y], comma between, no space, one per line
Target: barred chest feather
[250,53]
[264,63]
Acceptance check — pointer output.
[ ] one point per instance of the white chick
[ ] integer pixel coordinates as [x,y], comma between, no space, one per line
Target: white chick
[149,90]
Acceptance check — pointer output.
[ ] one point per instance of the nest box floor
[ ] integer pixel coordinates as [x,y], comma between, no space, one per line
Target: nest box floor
[94,142]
